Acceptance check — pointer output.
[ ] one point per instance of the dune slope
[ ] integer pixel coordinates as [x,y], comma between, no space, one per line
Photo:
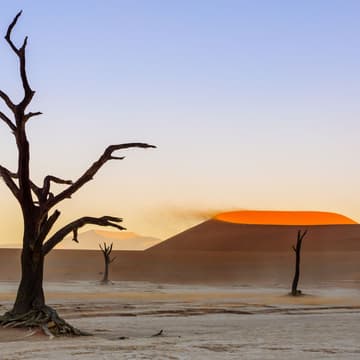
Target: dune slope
[215,235]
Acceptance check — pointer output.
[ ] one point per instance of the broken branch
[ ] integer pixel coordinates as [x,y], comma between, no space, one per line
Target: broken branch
[75,225]
[47,181]
[32,114]
[75,235]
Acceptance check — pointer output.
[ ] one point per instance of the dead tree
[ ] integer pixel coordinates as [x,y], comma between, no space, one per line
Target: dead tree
[297,249]
[38,206]
[106,250]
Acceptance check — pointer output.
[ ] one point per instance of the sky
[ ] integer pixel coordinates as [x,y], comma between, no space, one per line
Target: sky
[251,104]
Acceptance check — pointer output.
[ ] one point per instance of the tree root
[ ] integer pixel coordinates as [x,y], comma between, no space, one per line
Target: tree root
[45,318]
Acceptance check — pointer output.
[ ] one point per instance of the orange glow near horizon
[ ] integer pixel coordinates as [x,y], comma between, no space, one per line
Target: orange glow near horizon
[263,217]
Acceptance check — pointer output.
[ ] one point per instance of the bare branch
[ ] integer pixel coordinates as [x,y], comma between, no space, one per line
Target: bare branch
[55,179]
[106,249]
[92,170]
[7,101]
[301,236]
[37,191]
[117,158]
[7,121]
[47,181]
[32,114]
[20,52]
[47,225]
[9,30]
[33,186]
[23,46]
[75,233]
[75,225]
[8,179]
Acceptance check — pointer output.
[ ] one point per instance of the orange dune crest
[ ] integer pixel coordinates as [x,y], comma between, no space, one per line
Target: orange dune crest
[264,217]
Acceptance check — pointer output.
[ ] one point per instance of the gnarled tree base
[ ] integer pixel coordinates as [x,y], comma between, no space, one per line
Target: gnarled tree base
[296,293]
[106,282]
[44,318]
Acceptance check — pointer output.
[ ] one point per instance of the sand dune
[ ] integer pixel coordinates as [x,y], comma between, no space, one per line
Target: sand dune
[217,252]
[214,235]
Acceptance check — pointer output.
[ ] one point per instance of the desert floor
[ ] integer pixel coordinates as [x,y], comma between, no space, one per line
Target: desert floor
[197,322]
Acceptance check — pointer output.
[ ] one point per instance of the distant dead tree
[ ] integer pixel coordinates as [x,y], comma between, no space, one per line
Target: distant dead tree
[106,250]
[297,249]
[37,203]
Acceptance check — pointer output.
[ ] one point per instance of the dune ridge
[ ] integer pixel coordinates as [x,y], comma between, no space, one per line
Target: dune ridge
[266,217]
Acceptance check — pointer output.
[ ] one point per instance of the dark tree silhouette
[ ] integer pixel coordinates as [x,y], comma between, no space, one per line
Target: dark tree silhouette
[297,249]
[106,250]
[38,205]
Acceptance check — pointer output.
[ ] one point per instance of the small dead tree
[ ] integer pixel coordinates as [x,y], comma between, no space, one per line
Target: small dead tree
[297,249]
[38,206]
[106,250]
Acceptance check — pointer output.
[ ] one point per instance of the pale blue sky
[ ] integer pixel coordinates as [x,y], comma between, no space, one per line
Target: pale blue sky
[253,104]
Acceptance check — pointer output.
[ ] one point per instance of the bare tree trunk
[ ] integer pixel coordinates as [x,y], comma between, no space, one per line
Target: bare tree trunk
[106,272]
[36,202]
[297,249]
[106,250]
[30,294]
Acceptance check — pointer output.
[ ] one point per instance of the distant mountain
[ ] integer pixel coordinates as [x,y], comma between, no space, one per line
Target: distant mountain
[122,240]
